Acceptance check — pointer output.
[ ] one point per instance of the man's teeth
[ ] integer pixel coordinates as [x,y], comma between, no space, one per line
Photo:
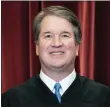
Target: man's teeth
[57,53]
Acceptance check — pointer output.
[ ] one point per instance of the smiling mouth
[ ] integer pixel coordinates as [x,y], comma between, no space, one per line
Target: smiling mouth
[57,53]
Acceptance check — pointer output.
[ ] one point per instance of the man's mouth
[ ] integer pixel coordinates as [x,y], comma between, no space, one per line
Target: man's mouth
[57,52]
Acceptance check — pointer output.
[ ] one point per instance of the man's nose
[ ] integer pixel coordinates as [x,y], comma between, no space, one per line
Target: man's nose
[57,42]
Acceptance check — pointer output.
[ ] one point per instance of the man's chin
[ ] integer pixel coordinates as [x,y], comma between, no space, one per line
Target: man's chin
[57,66]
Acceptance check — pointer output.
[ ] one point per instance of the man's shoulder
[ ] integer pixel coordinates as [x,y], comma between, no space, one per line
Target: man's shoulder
[30,84]
[21,94]
[92,84]
[94,91]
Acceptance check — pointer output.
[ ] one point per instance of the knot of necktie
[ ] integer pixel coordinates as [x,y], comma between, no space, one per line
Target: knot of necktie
[57,93]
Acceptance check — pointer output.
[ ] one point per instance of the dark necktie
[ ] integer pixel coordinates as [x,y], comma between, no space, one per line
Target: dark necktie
[57,93]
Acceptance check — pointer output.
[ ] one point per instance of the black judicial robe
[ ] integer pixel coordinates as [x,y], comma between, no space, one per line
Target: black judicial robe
[83,92]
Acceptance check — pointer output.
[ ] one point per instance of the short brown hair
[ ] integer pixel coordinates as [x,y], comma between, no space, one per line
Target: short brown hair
[62,12]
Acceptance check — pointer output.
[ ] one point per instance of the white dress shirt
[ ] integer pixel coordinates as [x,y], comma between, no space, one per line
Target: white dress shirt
[65,83]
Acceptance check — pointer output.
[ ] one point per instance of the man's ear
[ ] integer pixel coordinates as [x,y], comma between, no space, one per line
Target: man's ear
[77,49]
[37,48]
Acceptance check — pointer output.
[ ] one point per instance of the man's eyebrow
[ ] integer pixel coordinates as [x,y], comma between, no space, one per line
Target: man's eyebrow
[65,32]
[46,32]
[60,33]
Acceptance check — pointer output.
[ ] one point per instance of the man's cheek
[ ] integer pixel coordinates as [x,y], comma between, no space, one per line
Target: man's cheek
[70,46]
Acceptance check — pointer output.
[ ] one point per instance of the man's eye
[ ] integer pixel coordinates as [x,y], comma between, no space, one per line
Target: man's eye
[66,36]
[48,36]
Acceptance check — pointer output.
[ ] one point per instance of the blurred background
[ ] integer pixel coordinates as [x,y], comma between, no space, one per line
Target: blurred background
[18,58]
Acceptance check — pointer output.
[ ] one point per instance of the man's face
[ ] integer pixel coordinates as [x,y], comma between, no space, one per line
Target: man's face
[56,45]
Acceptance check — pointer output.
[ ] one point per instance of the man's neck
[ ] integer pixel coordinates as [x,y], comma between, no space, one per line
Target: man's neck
[57,74]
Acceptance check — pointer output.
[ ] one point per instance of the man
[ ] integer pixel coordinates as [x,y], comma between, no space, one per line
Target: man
[57,36]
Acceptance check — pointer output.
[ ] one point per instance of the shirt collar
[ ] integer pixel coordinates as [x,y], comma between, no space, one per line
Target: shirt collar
[47,80]
[65,83]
